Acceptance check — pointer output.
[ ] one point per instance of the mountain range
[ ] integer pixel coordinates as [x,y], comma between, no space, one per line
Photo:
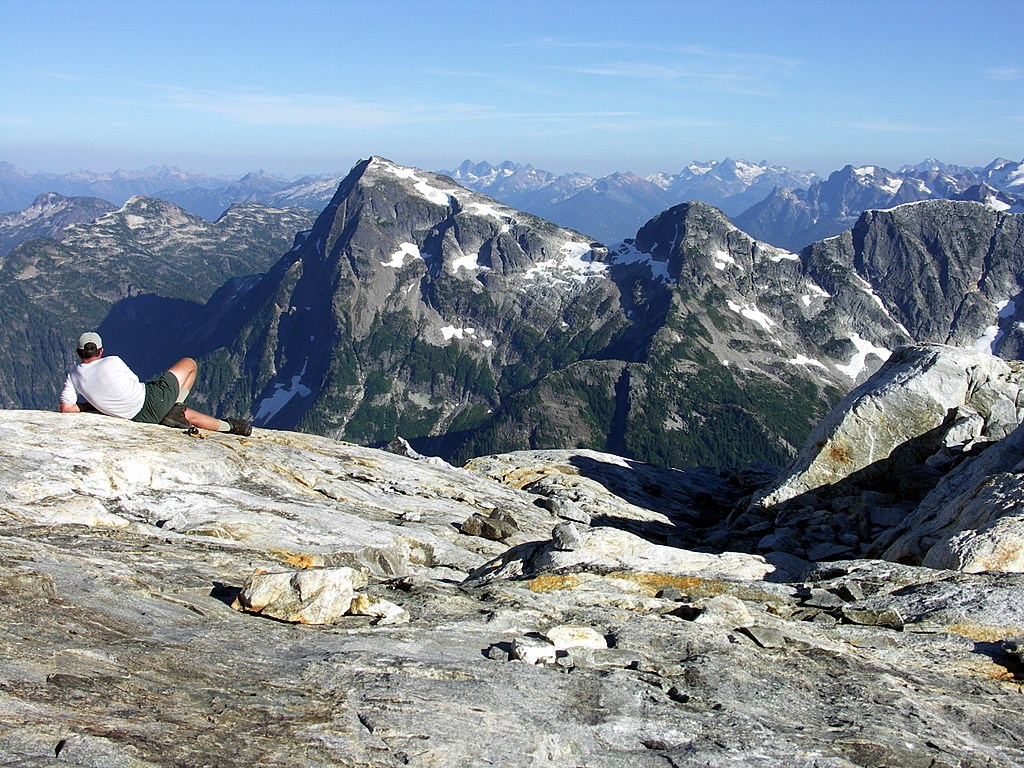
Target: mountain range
[793,217]
[288,599]
[413,306]
[789,209]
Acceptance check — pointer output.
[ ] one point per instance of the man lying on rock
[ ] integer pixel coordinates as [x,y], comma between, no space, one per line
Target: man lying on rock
[108,385]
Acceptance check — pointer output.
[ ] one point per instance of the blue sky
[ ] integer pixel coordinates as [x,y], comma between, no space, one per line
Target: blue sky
[311,86]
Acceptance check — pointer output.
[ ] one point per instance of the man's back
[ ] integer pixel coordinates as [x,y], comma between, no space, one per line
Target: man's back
[108,384]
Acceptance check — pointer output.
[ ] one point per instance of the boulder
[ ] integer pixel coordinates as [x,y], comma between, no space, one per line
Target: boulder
[725,611]
[497,526]
[922,392]
[566,537]
[610,549]
[566,636]
[317,596]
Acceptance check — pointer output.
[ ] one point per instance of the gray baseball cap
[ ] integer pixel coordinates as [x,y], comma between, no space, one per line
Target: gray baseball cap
[90,337]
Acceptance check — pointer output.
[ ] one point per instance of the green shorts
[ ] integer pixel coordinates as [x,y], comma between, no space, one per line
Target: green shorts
[161,394]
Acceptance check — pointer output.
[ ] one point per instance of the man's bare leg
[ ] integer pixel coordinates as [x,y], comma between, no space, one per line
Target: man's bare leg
[185,371]
[203,421]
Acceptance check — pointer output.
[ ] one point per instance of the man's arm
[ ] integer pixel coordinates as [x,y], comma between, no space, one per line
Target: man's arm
[69,399]
[82,407]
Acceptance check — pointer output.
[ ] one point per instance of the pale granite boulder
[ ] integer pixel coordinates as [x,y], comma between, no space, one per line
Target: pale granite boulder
[315,596]
[920,388]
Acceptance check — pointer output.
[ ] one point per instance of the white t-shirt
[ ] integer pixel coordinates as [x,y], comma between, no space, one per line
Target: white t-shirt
[108,384]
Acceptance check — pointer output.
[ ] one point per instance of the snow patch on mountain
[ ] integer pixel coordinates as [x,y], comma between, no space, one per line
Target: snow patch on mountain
[858,362]
[575,261]
[484,209]
[807,361]
[468,262]
[284,393]
[628,253]
[723,259]
[992,334]
[397,259]
[778,254]
[815,291]
[751,312]
[748,172]
[421,185]
[450,332]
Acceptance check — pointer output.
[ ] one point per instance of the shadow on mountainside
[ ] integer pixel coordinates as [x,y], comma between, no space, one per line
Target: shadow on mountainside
[149,332]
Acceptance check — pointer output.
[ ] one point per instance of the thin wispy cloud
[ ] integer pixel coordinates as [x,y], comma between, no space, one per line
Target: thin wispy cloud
[464,74]
[888,126]
[259,108]
[736,83]
[692,67]
[695,50]
[1005,73]
[782,62]
[645,71]
[66,77]
[306,110]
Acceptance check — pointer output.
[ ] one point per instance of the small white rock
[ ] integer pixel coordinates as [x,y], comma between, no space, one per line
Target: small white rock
[385,611]
[533,652]
[565,636]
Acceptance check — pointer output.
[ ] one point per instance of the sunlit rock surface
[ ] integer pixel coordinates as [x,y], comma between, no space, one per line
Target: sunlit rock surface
[123,548]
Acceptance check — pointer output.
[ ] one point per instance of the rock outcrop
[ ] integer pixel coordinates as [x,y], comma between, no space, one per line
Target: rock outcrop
[974,519]
[609,629]
[945,396]
[920,464]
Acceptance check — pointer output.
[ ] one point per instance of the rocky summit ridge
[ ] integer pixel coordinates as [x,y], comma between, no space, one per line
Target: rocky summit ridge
[286,599]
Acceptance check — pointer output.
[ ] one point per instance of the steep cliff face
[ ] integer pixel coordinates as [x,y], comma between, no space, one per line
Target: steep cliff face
[950,272]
